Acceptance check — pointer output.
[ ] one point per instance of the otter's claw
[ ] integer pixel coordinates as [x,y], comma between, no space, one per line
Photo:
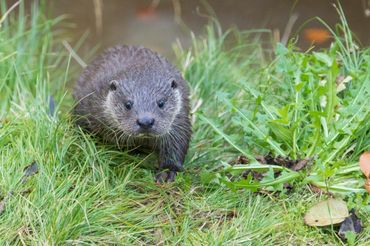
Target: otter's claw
[165,176]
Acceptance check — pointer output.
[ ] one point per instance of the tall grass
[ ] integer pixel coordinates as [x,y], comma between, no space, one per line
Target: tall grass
[84,192]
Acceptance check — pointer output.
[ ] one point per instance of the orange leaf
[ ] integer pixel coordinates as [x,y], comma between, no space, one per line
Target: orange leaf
[367,185]
[365,164]
[317,35]
[146,13]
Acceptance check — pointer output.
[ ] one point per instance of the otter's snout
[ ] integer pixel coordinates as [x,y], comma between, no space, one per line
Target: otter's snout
[145,122]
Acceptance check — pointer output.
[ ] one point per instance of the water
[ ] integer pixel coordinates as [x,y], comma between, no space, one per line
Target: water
[157,27]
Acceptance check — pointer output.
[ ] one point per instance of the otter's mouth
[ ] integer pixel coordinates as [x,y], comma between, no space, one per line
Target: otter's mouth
[146,135]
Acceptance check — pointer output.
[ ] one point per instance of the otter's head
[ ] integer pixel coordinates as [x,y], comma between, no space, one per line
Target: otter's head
[144,101]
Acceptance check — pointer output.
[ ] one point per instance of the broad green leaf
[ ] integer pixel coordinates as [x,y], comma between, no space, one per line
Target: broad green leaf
[323,57]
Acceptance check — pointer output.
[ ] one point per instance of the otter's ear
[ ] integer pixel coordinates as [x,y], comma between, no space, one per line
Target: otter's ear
[113,85]
[173,84]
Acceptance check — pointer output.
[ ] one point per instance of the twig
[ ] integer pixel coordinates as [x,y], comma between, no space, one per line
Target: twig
[98,10]
[74,54]
[8,12]
[288,29]
[177,10]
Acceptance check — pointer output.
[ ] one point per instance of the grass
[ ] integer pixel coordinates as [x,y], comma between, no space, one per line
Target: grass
[88,193]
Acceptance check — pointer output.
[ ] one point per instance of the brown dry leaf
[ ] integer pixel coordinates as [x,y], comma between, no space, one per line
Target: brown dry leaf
[241,159]
[301,164]
[365,163]
[329,212]
[367,185]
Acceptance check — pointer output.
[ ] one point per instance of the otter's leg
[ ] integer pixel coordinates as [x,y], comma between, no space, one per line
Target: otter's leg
[171,159]
[172,151]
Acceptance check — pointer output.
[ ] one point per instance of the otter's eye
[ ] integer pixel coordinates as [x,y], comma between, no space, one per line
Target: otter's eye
[128,105]
[173,84]
[161,103]
[113,85]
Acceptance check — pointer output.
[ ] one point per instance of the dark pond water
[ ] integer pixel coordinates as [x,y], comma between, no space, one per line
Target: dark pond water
[155,23]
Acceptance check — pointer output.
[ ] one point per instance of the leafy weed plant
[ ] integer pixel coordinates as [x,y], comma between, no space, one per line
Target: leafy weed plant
[310,105]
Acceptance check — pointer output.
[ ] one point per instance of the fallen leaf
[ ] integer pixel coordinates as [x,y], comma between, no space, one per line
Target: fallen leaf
[351,223]
[294,165]
[329,212]
[241,159]
[288,186]
[341,82]
[301,164]
[365,164]
[29,171]
[367,185]
[261,159]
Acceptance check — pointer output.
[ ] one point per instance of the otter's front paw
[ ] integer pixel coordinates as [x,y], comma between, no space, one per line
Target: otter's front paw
[165,176]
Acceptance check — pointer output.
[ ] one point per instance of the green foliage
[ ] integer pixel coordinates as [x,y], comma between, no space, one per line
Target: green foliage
[86,193]
[26,57]
[302,105]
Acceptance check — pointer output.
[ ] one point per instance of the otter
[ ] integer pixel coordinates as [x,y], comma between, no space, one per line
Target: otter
[135,98]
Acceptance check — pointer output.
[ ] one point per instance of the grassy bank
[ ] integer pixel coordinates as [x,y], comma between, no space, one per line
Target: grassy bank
[88,193]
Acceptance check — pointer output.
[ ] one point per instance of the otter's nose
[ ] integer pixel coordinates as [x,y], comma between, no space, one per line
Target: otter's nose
[145,122]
